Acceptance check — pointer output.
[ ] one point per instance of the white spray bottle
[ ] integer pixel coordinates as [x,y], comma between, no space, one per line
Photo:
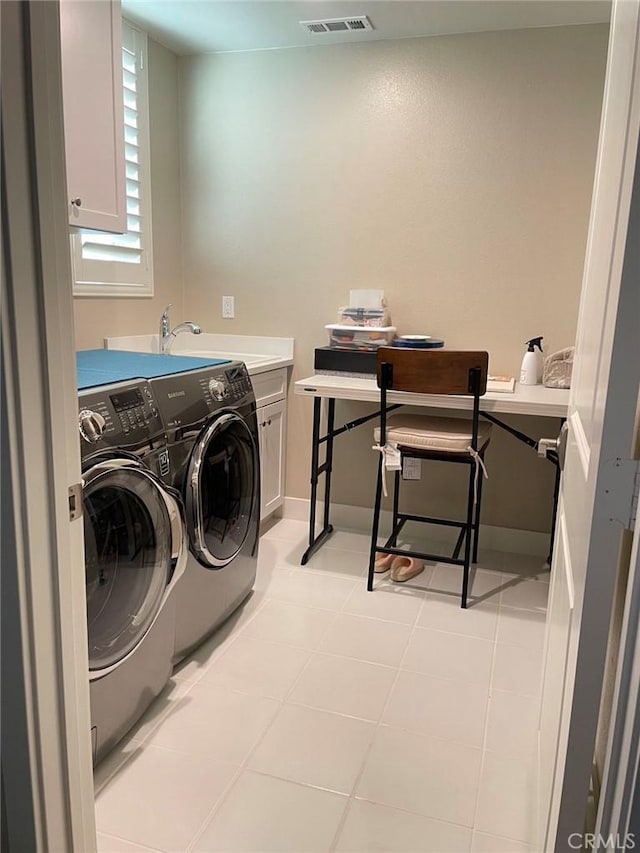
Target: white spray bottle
[531,368]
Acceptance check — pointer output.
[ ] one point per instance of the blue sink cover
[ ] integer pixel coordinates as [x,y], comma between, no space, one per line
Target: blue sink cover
[106,366]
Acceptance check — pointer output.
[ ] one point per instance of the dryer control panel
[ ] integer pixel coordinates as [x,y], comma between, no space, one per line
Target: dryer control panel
[229,385]
[186,399]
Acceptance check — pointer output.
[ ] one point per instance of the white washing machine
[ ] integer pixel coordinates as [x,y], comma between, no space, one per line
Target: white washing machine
[135,555]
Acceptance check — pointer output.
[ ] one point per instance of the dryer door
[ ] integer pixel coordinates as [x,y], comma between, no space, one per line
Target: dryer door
[221,491]
[130,556]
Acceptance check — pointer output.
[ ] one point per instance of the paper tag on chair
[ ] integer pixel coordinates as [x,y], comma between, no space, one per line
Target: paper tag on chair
[392,457]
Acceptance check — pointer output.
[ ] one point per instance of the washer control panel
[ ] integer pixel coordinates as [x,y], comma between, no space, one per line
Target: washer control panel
[129,406]
[120,415]
[91,425]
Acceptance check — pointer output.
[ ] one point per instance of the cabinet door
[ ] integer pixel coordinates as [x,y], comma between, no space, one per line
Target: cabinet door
[272,424]
[91,44]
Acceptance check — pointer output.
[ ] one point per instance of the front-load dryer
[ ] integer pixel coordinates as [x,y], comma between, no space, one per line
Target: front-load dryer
[135,555]
[212,431]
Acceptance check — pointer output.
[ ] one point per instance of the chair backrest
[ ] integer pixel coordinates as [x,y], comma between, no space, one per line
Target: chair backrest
[433,371]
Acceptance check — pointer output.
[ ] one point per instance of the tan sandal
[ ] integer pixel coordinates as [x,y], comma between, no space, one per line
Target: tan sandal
[405,568]
[383,562]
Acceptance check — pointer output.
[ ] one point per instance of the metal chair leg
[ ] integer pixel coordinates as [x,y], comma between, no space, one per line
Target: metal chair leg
[476,523]
[396,505]
[467,539]
[374,526]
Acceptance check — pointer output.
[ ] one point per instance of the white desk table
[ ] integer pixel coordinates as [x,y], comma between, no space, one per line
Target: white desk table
[526,400]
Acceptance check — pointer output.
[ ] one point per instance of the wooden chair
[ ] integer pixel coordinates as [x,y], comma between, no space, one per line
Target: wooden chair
[457,440]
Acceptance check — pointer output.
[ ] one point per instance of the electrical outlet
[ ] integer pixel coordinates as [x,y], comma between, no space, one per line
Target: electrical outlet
[228,307]
[411,469]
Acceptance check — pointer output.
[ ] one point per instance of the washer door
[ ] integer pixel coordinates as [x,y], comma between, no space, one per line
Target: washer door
[129,557]
[221,490]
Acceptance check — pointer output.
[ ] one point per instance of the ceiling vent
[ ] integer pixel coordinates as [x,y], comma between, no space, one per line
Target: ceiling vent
[360,23]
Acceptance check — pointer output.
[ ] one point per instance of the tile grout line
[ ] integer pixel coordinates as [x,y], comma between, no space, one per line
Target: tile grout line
[143,847]
[140,741]
[337,611]
[218,652]
[244,765]
[485,734]
[214,808]
[365,759]
[103,784]
[354,788]
[319,651]
[323,710]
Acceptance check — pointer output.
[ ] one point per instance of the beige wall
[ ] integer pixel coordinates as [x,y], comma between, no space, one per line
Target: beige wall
[454,172]
[97,318]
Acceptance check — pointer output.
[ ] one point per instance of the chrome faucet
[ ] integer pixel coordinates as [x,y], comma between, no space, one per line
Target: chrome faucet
[167,337]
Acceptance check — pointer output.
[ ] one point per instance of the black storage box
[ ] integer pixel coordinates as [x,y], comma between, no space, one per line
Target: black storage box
[346,360]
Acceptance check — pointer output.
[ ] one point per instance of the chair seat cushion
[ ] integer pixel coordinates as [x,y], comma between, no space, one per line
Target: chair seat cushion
[423,432]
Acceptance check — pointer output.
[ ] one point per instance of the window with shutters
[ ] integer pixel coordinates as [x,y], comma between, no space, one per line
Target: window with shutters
[122,264]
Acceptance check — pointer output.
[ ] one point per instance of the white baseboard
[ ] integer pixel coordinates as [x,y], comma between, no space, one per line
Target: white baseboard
[358,518]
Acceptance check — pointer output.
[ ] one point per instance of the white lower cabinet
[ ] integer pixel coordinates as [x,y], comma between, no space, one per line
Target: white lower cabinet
[272,429]
[270,389]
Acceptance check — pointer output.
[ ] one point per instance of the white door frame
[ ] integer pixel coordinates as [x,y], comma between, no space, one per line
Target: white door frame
[621,773]
[618,811]
[594,497]
[46,757]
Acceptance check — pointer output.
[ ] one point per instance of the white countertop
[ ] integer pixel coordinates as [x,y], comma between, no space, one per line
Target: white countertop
[258,353]
[525,400]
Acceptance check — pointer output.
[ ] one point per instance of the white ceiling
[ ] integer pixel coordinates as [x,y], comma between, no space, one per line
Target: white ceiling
[205,26]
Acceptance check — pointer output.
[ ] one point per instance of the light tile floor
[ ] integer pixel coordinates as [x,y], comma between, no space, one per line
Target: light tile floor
[321,717]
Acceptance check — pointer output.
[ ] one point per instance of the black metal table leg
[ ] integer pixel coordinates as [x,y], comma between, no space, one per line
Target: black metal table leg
[328,465]
[554,516]
[551,456]
[316,470]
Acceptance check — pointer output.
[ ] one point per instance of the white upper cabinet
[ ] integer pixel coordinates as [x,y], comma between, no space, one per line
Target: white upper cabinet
[91,42]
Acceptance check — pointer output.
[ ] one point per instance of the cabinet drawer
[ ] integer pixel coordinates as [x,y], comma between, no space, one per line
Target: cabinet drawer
[270,387]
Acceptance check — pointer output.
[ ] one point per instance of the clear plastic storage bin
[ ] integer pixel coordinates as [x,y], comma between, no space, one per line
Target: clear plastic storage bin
[360,337]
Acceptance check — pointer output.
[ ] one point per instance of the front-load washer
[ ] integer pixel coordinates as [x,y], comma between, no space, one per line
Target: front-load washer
[135,555]
[212,431]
